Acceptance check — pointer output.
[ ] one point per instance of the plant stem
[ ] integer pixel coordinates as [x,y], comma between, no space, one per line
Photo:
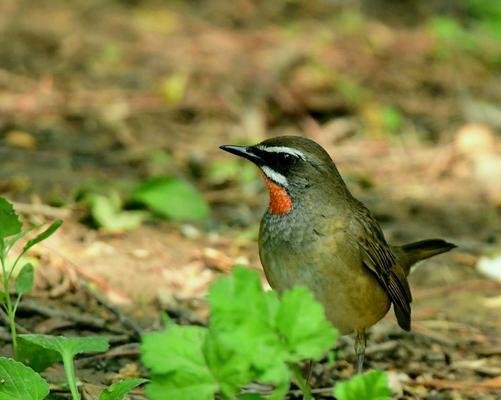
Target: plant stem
[301,382]
[69,368]
[8,302]
[12,322]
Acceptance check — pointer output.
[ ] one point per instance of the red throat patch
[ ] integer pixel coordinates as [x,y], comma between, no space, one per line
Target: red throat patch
[280,201]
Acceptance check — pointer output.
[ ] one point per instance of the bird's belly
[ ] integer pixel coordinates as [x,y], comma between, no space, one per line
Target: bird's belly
[351,296]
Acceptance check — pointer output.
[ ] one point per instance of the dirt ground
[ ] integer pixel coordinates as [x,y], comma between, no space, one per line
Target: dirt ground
[91,93]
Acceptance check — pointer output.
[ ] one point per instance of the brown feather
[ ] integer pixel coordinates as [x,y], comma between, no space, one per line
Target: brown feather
[378,256]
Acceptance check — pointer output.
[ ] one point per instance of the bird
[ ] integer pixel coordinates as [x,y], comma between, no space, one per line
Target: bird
[314,233]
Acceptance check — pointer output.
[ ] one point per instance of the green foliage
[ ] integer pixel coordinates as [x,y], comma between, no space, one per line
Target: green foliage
[118,390]
[176,360]
[43,350]
[487,14]
[352,93]
[241,171]
[172,198]
[36,357]
[242,344]
[372,385]
[391,119]
[252,336]
[25,279]
[10,226]
[486,10]
[9,221]
[167,352]
[451,38]
[107,212]
[43,235]
[349,20]
[447,29]
[480,38]
[477,36]
[70,346]
[67,348]
[19,382]
[304,329]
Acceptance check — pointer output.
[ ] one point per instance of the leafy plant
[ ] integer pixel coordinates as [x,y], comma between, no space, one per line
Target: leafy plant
[232,169]
[11,232]
[107,211]
[118,390]
[391,119]
[34,356]
[68,348]
[17,381]
[484,9]
[372,385]
[172,198]
[451,37]
[24,383]
[252,336]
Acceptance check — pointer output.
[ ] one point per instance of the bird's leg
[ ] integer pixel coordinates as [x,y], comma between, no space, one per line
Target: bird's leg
[309,370]
[360,342]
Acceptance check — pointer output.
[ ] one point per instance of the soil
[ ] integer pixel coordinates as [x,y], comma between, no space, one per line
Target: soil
[93,94]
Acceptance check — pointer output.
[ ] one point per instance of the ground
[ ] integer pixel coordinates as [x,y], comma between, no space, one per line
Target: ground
[101,95]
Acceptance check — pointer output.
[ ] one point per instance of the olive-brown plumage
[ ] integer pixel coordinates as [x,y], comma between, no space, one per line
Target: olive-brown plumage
[316,234]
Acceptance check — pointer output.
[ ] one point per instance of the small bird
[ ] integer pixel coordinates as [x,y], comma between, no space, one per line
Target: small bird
[316,234]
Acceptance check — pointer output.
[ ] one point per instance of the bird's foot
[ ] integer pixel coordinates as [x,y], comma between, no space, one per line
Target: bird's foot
[360,343]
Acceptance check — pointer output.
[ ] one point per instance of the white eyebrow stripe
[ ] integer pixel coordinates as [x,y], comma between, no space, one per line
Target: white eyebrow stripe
[275,176]
[283,149]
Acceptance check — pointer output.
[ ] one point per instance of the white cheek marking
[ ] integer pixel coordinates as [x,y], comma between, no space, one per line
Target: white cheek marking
[275,176]
[283,149]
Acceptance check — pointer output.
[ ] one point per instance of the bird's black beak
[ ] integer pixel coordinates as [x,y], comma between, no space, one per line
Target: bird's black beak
[243,151]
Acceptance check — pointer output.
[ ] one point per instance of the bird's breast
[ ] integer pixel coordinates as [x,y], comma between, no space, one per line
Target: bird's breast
[294,250]
[287,244]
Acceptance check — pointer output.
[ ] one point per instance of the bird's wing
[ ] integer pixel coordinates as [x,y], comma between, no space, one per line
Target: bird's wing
[379,258]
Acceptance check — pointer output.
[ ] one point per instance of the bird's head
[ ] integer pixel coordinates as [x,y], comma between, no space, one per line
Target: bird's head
[291,166]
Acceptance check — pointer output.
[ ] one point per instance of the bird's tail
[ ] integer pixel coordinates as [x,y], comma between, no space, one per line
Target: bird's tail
[411,253]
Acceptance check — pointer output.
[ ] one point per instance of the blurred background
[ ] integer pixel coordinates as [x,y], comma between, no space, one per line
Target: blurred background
[111,114]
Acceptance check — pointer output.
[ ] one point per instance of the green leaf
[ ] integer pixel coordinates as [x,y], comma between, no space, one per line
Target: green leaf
[19,382]
[372,385]
[9,221]
[18,236]
[447,29]
[34,356]
[243,345]
[230,368]
[175,348]
[107,213]
[236,169]
[25,279]
[181,385]
[2,295]
[118,390]
[43,235]
[68,345]
[252,336]
[301,321]
[172,198]
[177,363]
[392,119]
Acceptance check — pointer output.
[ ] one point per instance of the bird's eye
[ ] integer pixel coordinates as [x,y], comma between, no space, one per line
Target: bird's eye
[286,156]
